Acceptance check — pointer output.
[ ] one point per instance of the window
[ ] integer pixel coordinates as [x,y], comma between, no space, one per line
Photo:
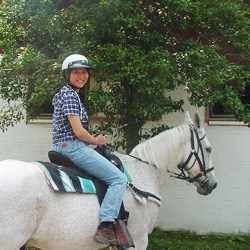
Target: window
[217,112]
[46,111]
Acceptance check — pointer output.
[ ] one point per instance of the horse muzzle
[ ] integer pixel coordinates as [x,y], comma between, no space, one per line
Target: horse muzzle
[207,187]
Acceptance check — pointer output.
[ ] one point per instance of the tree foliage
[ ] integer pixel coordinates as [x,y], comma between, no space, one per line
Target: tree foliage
[139,50]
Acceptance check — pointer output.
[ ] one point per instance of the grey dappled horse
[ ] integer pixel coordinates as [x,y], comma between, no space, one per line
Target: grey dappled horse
[33,214]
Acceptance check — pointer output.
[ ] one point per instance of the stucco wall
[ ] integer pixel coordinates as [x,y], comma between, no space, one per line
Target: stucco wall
[226,210]
[27,142]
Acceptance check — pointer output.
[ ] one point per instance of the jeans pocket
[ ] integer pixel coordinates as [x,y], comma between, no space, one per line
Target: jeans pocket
[65,148]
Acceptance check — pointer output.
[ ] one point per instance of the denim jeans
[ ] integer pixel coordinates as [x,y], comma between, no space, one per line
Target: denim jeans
[95,164]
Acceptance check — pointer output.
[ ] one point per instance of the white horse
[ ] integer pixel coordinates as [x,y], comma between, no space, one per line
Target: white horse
[32,214]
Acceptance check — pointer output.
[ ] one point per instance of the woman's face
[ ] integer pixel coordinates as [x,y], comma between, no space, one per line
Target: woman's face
[78,77]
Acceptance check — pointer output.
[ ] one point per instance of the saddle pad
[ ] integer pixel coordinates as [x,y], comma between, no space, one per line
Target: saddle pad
[65,180]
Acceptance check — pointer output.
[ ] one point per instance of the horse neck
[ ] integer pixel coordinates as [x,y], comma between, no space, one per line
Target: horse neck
[164,150]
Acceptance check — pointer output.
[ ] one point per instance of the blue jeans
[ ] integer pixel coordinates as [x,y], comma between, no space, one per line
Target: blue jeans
[95,164]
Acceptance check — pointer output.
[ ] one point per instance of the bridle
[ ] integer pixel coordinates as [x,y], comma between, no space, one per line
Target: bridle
[201,161]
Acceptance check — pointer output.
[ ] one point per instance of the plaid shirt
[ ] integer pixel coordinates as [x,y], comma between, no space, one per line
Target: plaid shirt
[66,102]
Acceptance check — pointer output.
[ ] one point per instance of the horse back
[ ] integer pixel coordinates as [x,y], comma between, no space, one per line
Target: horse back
[19,199]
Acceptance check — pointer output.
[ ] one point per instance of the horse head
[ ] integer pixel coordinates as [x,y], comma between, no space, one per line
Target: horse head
[196,166]
[185,147]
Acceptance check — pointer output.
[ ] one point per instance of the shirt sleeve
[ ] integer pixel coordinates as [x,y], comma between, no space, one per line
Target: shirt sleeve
[71,105]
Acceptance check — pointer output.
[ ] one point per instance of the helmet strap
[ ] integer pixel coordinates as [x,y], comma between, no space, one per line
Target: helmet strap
[73,87]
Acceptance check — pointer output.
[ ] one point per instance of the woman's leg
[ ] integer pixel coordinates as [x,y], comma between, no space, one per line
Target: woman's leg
[98,166]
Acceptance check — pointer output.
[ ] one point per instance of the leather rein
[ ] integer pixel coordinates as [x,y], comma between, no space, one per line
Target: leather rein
[201,161]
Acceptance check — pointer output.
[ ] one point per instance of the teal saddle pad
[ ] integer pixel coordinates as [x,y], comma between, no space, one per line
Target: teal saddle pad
[65,179]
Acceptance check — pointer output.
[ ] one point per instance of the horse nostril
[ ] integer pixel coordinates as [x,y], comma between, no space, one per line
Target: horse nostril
[215,185]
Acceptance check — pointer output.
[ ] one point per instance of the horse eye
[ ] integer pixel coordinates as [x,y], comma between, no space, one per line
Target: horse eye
[209,150]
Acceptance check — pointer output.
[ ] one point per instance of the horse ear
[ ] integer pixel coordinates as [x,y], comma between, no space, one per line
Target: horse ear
[188,118]
[197,120]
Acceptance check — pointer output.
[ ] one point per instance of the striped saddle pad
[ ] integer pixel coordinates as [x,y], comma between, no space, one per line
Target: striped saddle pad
[72,180]
[66,179]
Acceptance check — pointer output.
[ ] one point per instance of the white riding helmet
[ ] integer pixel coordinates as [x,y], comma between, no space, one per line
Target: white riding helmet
[73,62]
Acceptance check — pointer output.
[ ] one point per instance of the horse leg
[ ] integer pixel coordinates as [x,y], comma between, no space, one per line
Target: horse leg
[10,247]
[8,242]
[141,243]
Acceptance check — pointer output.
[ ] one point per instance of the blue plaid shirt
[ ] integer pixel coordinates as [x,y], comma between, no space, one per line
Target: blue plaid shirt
[66,102]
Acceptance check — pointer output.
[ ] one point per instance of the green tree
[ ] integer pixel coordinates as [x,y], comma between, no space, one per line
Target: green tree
[140,51]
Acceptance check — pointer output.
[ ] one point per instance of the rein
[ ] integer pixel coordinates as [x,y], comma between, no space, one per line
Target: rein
[194,153]
[137,158]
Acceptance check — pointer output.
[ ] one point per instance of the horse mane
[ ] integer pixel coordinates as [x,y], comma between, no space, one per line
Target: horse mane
[163,150]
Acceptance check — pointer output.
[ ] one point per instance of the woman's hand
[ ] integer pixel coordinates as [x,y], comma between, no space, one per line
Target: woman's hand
[100,139]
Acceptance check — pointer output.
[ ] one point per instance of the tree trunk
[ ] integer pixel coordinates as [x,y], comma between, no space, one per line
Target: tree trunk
[132,135]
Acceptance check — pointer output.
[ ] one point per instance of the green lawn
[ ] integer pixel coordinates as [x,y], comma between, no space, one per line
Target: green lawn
[181,240]
[160,240]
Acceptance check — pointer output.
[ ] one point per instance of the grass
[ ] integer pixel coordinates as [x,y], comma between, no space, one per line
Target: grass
[181,240]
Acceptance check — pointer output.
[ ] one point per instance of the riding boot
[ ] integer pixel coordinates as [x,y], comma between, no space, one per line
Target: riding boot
[105,234]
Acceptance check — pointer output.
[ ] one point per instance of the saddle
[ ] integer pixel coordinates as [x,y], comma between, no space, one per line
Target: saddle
[100,186]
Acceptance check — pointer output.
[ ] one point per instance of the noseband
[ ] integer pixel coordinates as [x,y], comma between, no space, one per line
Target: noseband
[201,161]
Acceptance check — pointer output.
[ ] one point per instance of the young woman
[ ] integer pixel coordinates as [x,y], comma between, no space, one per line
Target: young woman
[71,138]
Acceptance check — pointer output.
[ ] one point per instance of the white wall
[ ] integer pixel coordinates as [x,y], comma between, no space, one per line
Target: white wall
[226,210]
[26,142]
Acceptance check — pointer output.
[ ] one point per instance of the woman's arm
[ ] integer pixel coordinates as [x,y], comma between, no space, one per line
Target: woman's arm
[82,134]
